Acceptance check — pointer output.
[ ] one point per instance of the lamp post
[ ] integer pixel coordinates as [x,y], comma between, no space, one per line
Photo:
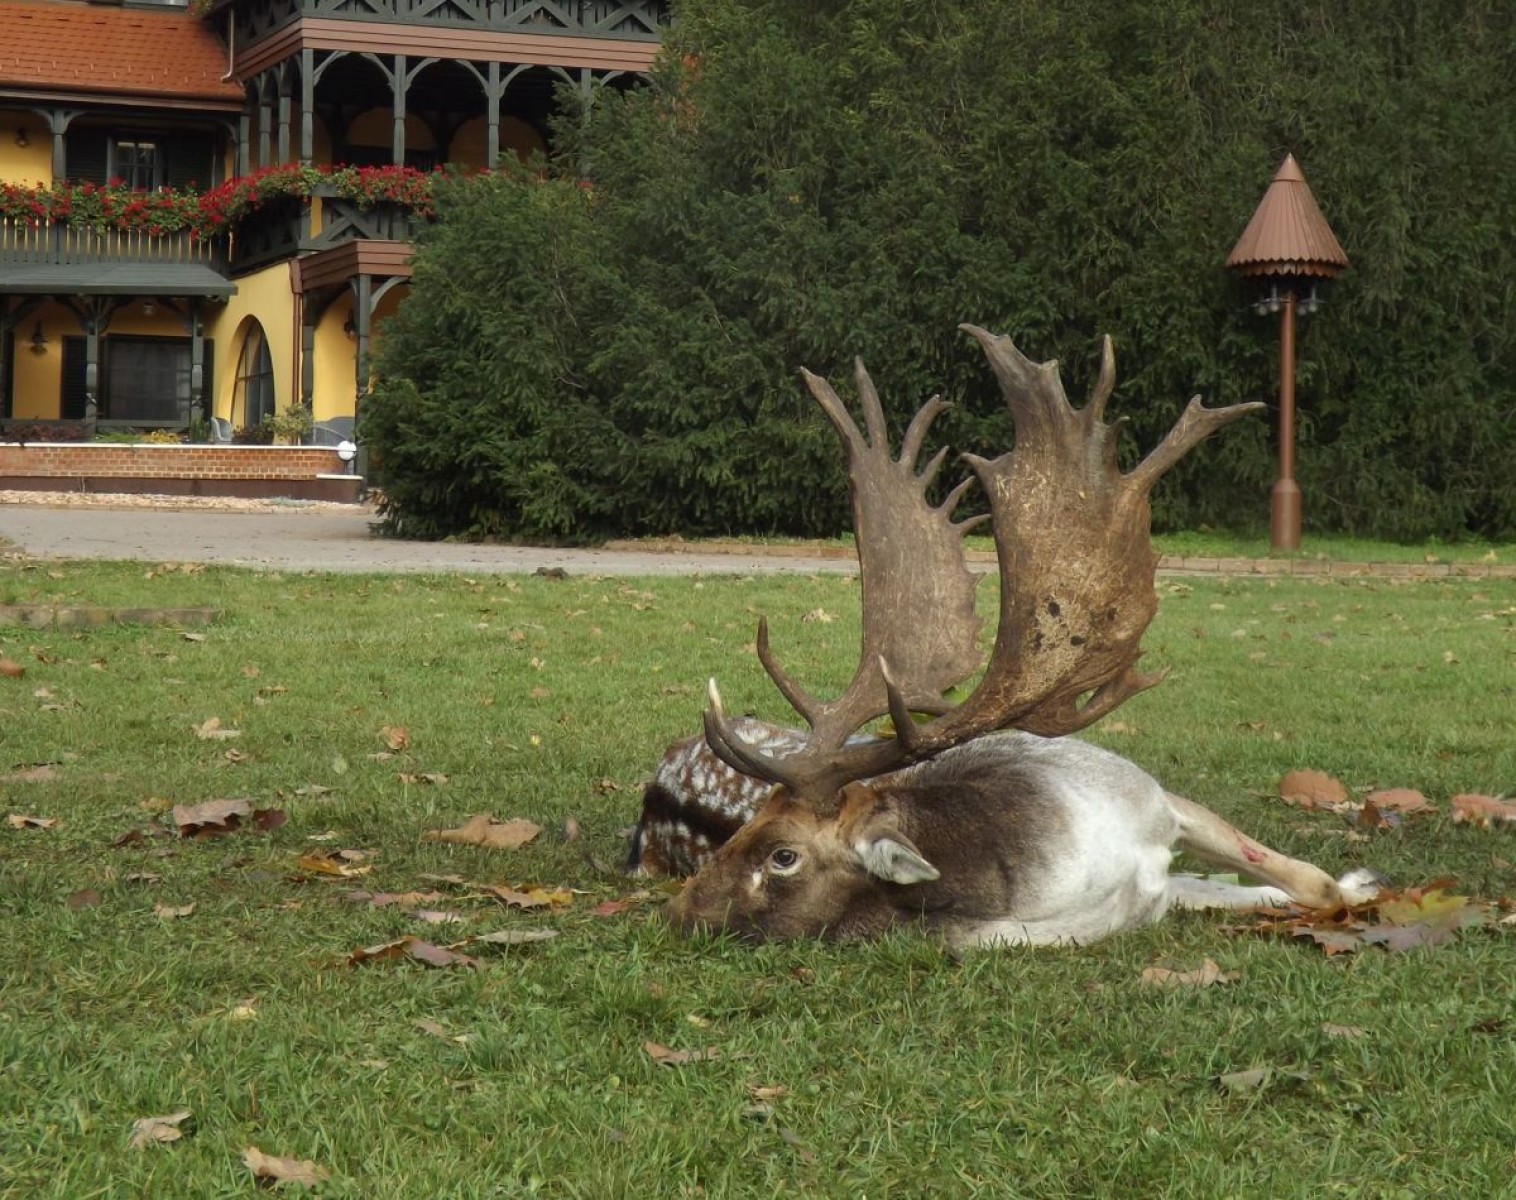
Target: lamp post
[1288,244]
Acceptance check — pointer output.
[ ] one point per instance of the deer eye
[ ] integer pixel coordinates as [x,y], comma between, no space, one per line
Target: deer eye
[784,859]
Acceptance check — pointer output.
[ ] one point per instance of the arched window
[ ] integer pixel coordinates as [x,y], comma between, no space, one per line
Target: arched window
[253,394]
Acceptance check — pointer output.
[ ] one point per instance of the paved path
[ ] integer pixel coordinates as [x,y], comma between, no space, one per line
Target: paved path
[334,540]
[334,537]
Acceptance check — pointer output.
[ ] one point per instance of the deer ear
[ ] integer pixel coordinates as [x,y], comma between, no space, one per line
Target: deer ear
[892,858]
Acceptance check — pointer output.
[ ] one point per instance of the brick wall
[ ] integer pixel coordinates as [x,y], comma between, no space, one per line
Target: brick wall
[105,460]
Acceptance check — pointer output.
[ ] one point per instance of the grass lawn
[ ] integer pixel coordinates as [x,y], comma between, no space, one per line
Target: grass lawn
[893,1069]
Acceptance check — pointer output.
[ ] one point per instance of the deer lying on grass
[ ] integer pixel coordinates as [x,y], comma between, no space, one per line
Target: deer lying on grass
[982,822]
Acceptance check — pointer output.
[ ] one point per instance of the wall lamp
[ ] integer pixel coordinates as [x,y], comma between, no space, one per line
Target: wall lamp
[38,340]
[22,138]
[350,329]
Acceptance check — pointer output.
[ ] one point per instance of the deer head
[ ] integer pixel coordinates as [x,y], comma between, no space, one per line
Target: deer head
[832,852]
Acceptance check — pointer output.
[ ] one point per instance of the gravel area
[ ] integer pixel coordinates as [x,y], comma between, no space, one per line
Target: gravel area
[128,500]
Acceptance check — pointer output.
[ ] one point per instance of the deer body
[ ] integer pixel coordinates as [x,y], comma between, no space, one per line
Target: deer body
[1008,839]
[981,820]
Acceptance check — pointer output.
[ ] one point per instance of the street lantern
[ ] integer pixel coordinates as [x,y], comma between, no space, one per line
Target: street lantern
[1289,247]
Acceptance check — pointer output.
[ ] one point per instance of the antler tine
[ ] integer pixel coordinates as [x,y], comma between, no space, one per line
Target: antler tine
[1195,425]
[1106,384]
[799,699]
[915,435]
[732,748]
[873,412]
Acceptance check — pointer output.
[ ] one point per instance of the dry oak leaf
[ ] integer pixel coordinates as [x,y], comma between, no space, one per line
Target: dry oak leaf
[1206,975]
[1405,800]
[484,830]
[665,1057]
[1313,790]
[266,1167]
[154,1131]
[336,863]
[168,912]
[11,669]
[529,895]
[22,821]
[412,947]
[212,818]
[210,730]
[1483,811]
[396,737]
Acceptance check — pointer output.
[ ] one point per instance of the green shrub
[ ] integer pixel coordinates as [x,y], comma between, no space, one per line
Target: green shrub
[803,183]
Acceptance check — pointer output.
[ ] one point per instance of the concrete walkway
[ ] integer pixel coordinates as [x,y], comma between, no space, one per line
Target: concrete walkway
[333,537]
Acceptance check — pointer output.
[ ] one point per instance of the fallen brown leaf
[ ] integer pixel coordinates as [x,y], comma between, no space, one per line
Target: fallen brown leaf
[1483,811]
[529,895]
[513,937]
[1207,975]
[84,898]
[484,830]
[385,899]
[1241,1083]
[412,947]
[396,737]
[610,908]
[283,1170]
[22,821]
[1313,790]
[1405,800]
[168,912]
[332,862]
[11,669]
[210,730]
[665,1057]
[155,1131]
[213,818]
[436,778]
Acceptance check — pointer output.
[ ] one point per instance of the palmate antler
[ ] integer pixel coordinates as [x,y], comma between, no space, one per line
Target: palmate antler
[1076,582]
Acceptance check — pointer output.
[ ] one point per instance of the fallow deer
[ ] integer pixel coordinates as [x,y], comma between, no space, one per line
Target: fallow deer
[983,821]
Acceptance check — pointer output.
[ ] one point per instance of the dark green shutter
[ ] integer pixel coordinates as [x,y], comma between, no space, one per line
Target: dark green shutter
[71,402]
[88,159]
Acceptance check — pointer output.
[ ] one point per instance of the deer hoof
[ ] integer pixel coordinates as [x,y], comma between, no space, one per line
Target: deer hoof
[1361,885]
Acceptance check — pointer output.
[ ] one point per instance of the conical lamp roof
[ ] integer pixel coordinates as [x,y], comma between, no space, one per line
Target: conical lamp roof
[1288,235]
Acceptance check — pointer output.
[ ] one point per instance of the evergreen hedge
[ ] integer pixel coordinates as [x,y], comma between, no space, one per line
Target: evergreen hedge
[803,183]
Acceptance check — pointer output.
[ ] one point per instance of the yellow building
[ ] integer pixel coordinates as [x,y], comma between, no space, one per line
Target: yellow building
[203,218]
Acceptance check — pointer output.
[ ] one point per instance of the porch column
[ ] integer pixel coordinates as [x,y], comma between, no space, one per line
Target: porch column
[244,160]
[265,121]
[308,317]
[58,121]
[285,115]
[363,291]
[194,322]
[399,85]
[492,93]
[307,106]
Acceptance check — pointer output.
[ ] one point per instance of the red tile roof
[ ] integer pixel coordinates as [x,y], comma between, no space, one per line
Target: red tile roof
[84,48]
[1288,235]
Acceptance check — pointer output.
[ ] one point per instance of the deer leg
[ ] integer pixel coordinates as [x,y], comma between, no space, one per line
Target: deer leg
[1208,837]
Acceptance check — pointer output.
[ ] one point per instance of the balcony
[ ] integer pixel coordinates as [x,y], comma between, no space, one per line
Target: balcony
[638,20]
[290,225]
[47,244]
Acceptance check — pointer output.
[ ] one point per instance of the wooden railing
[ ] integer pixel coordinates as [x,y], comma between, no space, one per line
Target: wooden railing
[53,244]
